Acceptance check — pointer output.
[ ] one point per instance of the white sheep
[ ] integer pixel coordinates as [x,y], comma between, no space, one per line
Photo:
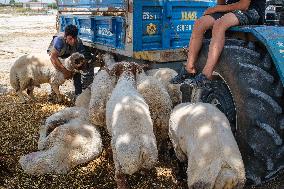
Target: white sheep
[165,75]
[83,100]
[59,118]
[201,133]
[160,104]
[67,146]
[101,89]
[129,123]
[108,59]
[35,69]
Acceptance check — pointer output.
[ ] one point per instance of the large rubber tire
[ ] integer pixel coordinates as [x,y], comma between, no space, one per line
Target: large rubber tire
[257,97]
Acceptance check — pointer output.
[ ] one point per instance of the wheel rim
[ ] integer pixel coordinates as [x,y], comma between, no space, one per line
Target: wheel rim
[220,96]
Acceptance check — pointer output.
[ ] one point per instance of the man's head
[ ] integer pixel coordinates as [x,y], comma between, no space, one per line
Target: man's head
[70,34]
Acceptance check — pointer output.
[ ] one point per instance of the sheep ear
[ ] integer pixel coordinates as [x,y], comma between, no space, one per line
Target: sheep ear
[141,66]
[116,70]
[75,56]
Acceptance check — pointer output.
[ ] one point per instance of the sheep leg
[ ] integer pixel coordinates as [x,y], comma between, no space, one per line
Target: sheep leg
[24,84]
[55,88]
[227,179]
[175,142]
[120,177]
[202,177]
[179,153]
[51,95]
[22,96]
[121,181]
[30,91]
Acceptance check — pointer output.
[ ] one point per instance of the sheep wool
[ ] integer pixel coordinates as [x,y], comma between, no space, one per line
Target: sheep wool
[32,70]
[83,100]
[101,89]
[159,102]
[59,118]
[164,75]
[201,133]
[108,60]
[68,145]
[130,125]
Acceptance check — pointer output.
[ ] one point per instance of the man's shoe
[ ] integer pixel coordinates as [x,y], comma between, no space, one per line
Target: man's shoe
[182,75]
[200,81]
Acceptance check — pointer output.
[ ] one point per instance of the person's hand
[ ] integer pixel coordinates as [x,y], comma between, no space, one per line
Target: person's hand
[67,74]
[210,10]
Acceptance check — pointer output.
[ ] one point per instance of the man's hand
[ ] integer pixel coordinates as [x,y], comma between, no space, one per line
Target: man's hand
[57,64]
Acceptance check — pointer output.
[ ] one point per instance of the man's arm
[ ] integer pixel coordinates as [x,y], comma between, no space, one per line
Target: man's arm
[57,64]
[241,5]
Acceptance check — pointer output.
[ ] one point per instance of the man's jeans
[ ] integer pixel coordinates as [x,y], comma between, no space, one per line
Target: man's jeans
[82,81]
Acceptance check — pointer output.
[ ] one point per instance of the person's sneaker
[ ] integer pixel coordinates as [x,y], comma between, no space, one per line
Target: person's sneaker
[199,81]
[182,75]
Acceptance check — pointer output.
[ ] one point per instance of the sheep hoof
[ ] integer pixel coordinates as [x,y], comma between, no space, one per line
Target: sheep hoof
[50,98]
[200,185]
[230,183]
[227,179]
[23,102]
[32,100]
[59,99]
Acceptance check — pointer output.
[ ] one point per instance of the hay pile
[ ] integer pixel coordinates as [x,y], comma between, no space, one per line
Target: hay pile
[19,125]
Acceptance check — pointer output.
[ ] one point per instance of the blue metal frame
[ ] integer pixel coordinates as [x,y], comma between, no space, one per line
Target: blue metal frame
[273,39]
[173,31]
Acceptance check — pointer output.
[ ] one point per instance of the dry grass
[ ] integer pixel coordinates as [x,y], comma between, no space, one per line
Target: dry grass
[19,134]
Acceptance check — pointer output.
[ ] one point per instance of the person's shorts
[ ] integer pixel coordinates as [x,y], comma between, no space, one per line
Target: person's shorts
[249,17]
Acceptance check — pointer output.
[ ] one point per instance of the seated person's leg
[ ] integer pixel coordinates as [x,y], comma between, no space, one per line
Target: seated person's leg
[216,47]
[200,26]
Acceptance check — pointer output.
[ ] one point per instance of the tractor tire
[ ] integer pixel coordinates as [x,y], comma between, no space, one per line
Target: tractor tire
[248,90]
[281,19]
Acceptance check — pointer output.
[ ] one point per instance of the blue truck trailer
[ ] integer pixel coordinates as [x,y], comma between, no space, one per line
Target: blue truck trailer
[248,80]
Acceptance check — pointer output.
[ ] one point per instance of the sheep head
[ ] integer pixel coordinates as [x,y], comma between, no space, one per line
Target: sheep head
[129,67]
[108,59]
[53,124]
[78,61]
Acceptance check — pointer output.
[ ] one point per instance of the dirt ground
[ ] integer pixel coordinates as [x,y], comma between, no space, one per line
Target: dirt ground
[21,35]
[19,123]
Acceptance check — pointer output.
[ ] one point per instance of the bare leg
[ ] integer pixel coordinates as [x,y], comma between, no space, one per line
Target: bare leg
[218,41]
[200,27]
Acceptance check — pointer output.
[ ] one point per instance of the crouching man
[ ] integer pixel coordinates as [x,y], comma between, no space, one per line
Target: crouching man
[63,46]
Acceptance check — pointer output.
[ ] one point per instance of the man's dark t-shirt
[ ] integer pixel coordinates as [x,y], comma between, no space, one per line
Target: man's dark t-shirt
[258,5]
[65,49]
